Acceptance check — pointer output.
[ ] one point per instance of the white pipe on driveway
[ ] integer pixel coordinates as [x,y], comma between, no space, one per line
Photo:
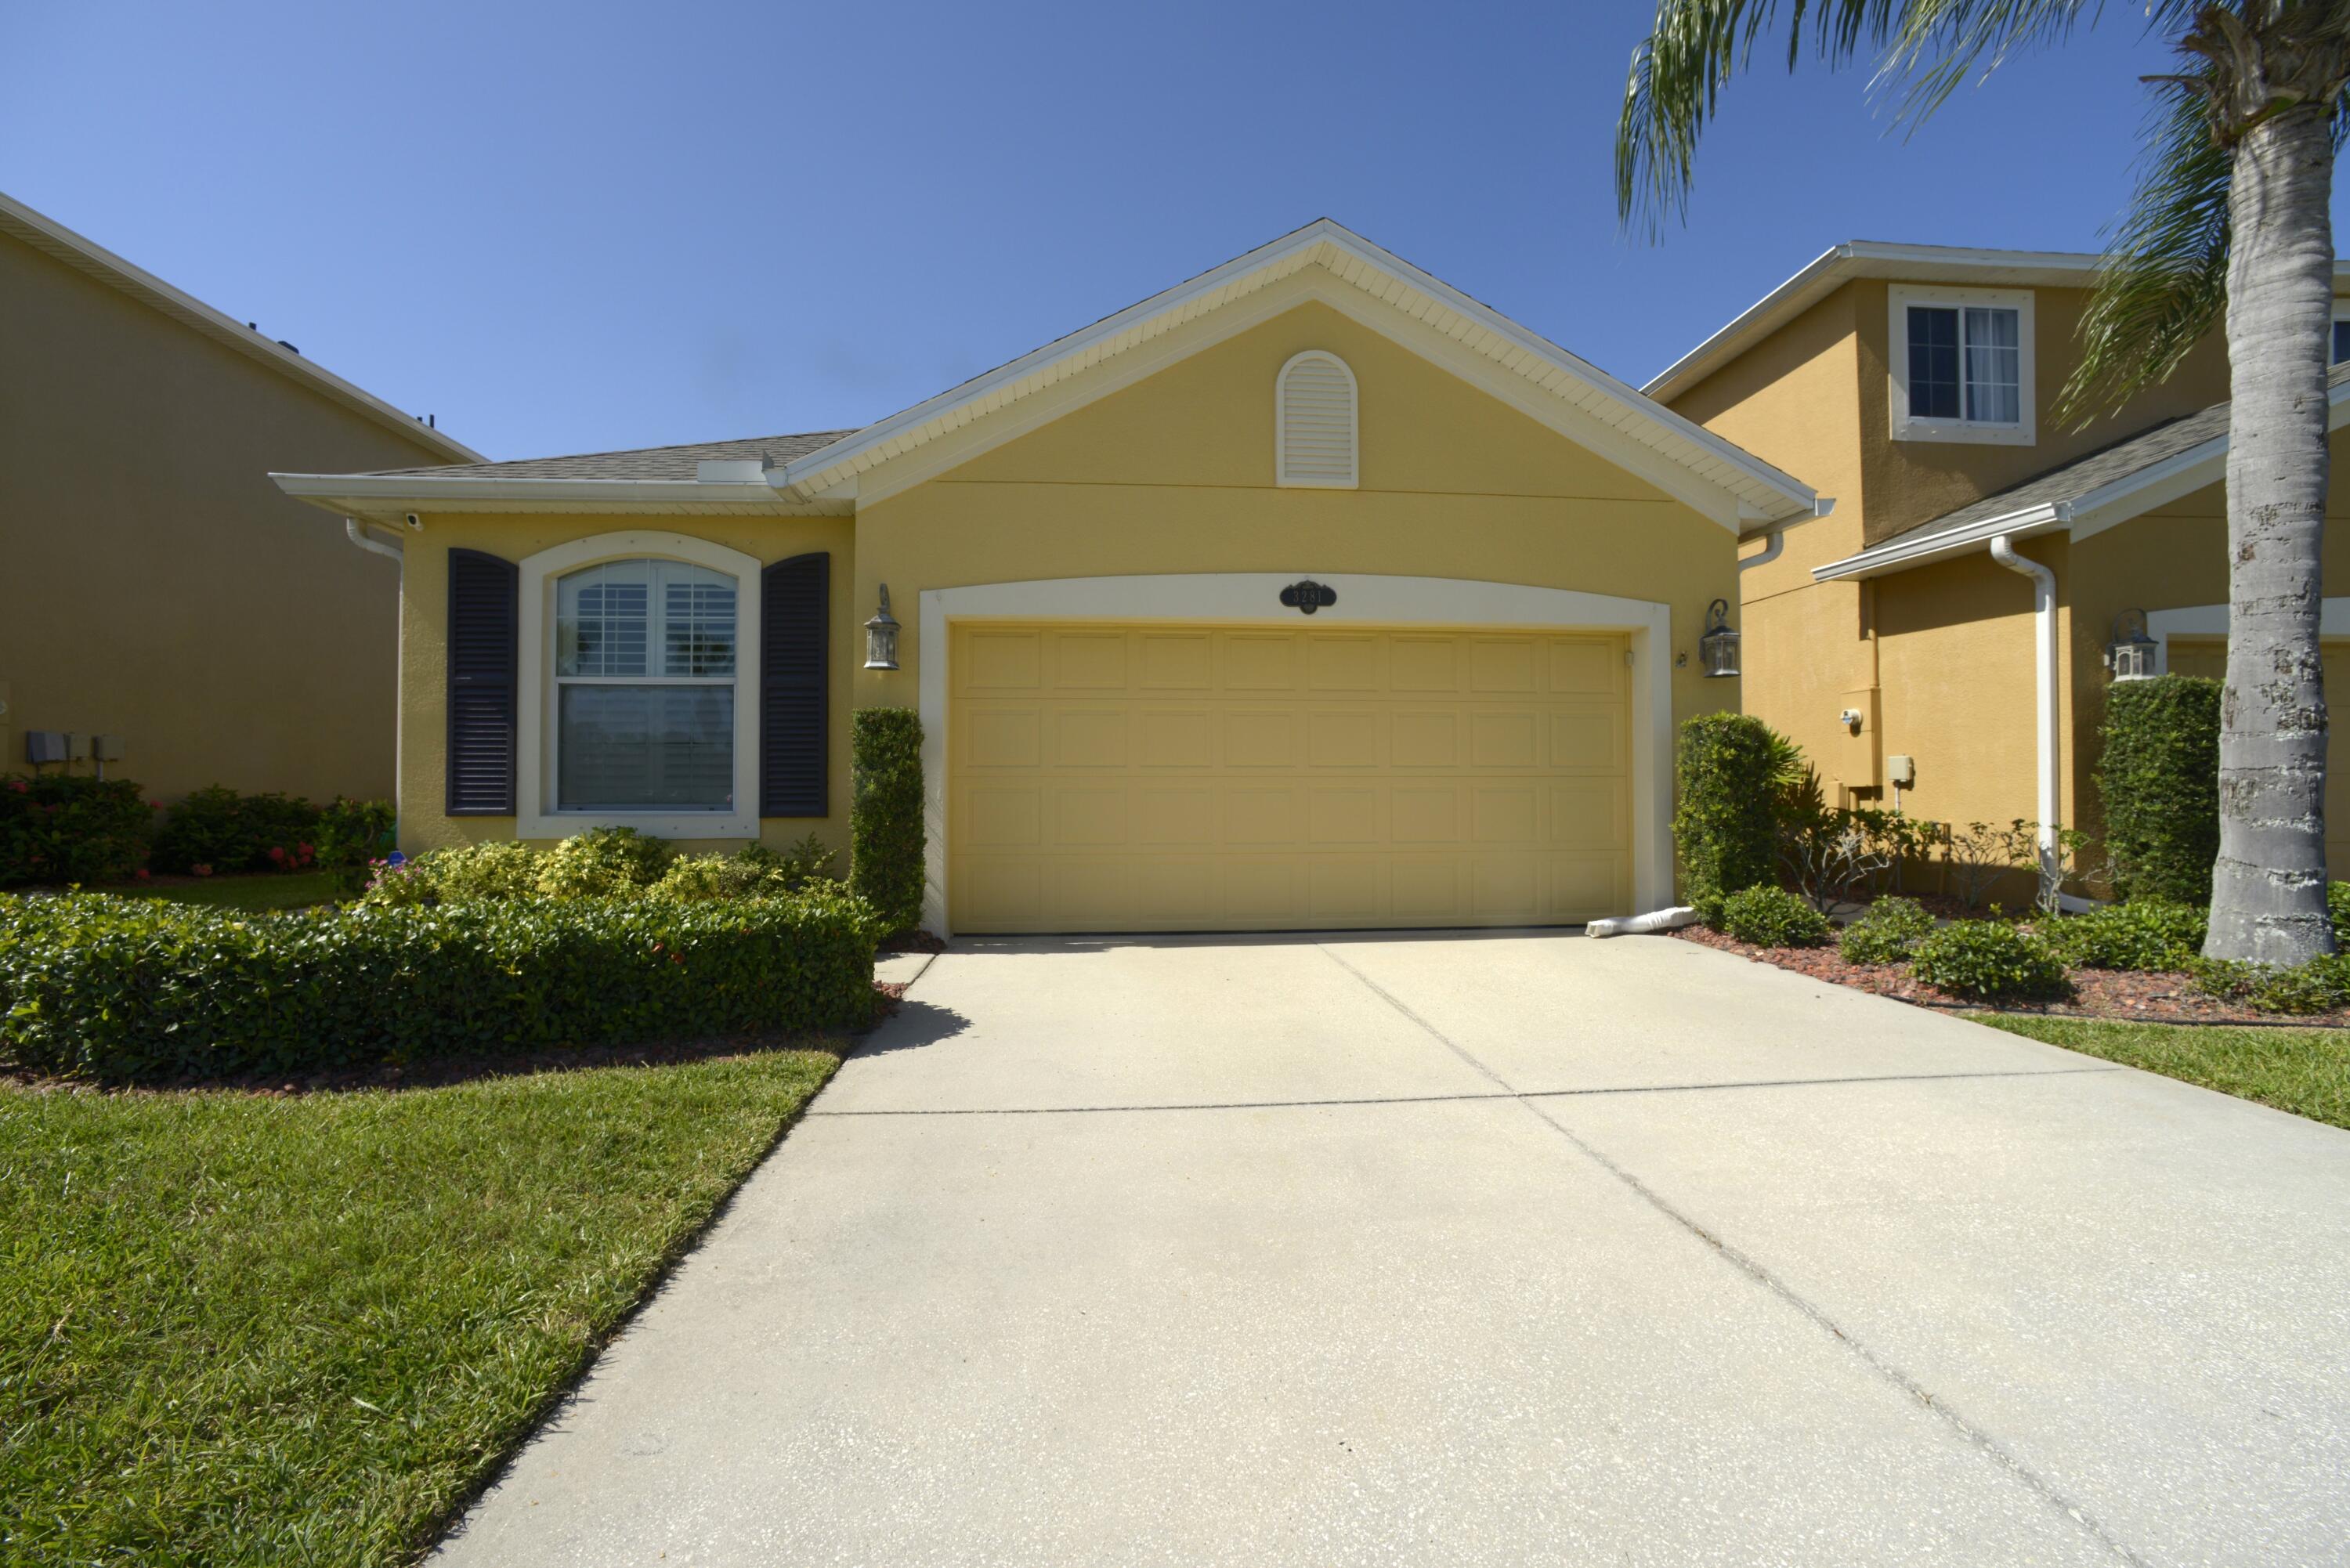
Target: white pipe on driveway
[1672,920]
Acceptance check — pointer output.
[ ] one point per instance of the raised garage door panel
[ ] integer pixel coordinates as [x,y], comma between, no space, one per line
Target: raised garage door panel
[1175,778]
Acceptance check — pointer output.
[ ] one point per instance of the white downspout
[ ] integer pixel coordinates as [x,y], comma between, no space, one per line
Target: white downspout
[1776,542]
[2045,714]
[368,542]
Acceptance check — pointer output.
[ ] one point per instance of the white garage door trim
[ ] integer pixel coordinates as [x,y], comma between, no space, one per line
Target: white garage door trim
[1255,596]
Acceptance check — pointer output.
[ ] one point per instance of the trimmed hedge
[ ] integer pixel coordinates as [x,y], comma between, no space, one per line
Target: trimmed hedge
[885,819]
[1725,826]
[2147,935]
[1989,958]
[215,831]
[1888,933]
[1773,918]
[2160,781]
[59,828]
[134,989]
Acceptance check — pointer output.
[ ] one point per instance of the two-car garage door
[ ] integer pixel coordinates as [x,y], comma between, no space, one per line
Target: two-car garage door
[1134,777]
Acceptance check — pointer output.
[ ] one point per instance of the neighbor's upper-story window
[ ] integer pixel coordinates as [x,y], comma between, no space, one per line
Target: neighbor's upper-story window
[2340,333]
[645,672]
[1961,365]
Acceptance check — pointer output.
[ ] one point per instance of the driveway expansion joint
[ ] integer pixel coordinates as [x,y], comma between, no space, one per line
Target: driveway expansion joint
[1977,1437]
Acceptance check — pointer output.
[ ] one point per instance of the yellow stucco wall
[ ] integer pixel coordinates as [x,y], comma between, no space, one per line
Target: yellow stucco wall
[1173,474]
[153,584]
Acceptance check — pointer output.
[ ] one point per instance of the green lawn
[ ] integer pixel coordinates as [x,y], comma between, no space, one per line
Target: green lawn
[245,1329]
[2305,1070]
[275,891]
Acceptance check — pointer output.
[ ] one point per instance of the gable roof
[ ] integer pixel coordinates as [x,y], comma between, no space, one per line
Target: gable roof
[658,462]
[1839,264]
[2085,496]
[60,244]
[1346,270]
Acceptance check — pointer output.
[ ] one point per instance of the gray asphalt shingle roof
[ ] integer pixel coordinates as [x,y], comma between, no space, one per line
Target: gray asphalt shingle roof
[2072,481]
[644,463]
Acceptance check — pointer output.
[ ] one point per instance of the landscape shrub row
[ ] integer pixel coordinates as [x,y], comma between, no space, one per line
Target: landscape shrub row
[602,863]
[67,828]
[131,988]
[59,828]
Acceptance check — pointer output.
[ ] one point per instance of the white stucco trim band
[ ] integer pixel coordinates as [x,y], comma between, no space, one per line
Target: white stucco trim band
[2211,620]
[1363,601]
[534,816]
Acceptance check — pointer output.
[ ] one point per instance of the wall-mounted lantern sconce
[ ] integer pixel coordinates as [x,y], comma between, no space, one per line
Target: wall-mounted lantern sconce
[1718,647]
[881,637]
[2130,654]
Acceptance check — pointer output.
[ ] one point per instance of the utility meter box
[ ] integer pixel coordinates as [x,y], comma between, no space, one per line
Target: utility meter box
[106,748]
[77,747]
[45,745]
[1902,771]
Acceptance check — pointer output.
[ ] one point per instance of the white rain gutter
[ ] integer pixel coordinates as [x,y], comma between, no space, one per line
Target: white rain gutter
[2045,708]
[368,542]
[1767,554]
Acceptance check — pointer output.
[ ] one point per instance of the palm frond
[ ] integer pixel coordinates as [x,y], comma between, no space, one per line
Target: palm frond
[2163,282]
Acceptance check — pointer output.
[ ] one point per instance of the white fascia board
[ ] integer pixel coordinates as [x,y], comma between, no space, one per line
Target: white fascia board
[55,241]
[1902,555]
[1372,271]
[2182,474]
[430,492]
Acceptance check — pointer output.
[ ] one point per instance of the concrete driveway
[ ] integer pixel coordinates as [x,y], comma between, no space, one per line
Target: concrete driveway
[1491,1248]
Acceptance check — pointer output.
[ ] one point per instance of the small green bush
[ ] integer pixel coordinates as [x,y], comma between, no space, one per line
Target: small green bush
[884,816]
[1773,918]
[2150,934]
[138,989]
[604,863]
[1989,960]
[2320,985]
[59,828]
[214,830]
[755,871]
[1725,825]
[1888,933]
[2337,904]
[494,868]
[2159,779]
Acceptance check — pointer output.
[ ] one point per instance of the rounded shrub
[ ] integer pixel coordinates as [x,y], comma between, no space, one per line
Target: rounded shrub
[885,815]
[1725,827]
[603,863]
[132,989]
[59,828]
[2149,934]
[1989,959]
[215,830]
[495,868]
[2158,778]
[1773,918]
[1888,933]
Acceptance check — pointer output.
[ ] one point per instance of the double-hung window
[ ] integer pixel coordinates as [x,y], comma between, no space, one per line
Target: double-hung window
[645,668]
[1961,365]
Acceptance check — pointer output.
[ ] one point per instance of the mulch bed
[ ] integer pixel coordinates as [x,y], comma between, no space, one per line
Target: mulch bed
[2142,997]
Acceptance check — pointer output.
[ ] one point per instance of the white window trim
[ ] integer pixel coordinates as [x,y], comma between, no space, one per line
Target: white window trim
[536,814]
[1255,598]
[1978,431]
[1281,475]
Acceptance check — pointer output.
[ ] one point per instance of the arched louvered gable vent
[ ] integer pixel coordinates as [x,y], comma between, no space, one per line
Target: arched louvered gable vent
[1314,424]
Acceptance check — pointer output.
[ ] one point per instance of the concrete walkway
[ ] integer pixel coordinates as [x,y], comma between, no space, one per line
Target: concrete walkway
[1473,1249]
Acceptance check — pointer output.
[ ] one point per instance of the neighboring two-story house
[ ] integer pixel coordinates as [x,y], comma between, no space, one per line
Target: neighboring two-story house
[155,588]
[1939,643]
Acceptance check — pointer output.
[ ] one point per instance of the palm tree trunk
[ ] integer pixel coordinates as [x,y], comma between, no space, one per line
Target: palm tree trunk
[2268,886]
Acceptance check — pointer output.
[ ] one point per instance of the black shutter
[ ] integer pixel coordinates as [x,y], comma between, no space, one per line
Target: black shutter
[485,638]
[794,632]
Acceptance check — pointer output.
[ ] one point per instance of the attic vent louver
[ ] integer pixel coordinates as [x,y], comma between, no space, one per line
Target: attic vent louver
[1315,423]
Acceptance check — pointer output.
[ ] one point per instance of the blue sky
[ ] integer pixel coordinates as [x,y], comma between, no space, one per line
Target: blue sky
[580,226]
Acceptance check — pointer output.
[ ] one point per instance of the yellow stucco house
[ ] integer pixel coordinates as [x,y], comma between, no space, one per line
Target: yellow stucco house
[1308,593]
[1939,643]
[155,588]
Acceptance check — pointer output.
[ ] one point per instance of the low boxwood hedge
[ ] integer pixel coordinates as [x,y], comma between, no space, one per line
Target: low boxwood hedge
[1989,960]
[61,828]
[129,988]
[2150,934]
[1773,918]
[1888,933]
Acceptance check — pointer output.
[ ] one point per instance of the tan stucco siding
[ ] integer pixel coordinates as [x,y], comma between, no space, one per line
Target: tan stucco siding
[425,671]
[1175,475]
[153,583]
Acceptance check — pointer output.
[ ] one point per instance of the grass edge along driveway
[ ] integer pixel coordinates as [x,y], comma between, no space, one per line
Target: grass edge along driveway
[244,1328]
[2305,1070]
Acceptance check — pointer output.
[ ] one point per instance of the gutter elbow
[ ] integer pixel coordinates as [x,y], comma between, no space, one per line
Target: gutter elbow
[1776,542]
[358,535]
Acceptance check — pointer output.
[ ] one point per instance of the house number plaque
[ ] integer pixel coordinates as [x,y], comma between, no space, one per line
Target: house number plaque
[1309,596]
